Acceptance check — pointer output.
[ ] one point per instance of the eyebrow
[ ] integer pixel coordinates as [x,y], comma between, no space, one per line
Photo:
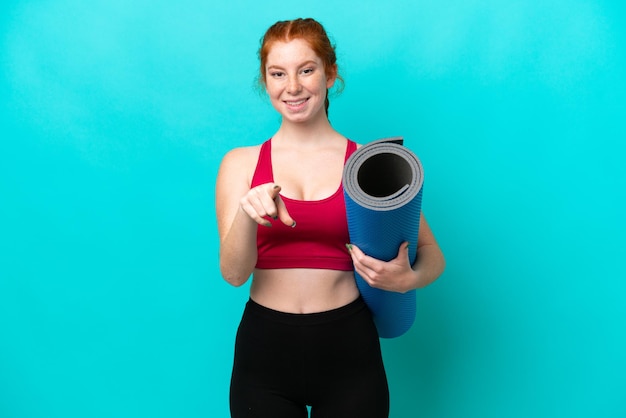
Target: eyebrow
[304,64]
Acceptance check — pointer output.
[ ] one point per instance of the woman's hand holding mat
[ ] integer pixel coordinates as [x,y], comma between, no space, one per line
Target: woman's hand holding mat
[395,275]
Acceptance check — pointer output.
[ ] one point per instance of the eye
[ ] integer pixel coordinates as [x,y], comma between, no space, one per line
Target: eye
[276,74]
[307,71]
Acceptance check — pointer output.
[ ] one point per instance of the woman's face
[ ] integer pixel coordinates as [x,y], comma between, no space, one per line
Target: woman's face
[296,81]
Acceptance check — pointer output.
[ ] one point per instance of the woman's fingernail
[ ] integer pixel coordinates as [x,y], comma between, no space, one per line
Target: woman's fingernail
[349,247]
[293,225]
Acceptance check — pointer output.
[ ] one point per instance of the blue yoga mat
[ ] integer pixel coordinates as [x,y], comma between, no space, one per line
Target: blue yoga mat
[382,183]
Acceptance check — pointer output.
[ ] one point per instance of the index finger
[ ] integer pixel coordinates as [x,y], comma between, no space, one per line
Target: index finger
[283,213]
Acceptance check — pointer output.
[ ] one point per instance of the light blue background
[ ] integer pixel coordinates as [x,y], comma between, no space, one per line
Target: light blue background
[114,117]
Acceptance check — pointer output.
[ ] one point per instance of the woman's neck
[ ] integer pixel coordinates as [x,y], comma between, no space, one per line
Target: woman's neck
[312,132]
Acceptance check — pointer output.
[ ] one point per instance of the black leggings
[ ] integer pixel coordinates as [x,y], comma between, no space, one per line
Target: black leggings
[328,360]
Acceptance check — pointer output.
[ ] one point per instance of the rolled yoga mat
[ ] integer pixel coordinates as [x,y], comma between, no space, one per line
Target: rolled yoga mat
[382,183]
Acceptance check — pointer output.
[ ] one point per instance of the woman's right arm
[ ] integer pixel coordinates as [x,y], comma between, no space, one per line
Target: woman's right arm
[240,210]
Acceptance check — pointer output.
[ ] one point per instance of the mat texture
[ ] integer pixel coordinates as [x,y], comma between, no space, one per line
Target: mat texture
[382,183]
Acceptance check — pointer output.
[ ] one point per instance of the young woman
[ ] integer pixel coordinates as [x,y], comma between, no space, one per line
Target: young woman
[306,337]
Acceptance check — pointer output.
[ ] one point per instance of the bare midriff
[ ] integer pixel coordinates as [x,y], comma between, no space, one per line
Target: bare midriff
[303,290]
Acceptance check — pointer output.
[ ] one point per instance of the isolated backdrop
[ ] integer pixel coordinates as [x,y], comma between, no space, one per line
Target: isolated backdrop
[114,116]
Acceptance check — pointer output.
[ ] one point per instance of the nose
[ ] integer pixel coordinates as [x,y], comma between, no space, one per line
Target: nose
[293,86]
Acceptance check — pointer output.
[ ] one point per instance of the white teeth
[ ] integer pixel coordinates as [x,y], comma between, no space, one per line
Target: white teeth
[299,102]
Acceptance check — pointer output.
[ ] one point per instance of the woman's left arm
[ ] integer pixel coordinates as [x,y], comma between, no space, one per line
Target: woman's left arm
[398,275]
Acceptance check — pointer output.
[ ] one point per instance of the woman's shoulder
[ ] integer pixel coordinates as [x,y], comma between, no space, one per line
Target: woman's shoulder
[237,166]
[242,155]
[349,139]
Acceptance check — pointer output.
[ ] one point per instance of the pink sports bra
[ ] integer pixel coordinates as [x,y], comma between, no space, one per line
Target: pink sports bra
[320,236]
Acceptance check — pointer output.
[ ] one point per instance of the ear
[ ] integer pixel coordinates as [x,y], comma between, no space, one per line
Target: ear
[332,77]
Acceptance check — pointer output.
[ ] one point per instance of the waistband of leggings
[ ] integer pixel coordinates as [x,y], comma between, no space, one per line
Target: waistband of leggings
[314,318]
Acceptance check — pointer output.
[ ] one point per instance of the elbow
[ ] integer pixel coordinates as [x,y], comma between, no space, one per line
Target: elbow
[236,281]
[442,263]
[234,277]
[236,268]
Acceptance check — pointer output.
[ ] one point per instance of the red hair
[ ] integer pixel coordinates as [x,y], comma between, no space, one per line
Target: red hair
[310,31]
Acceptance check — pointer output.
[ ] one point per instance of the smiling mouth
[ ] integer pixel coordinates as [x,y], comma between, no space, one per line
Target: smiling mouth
[296,102]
